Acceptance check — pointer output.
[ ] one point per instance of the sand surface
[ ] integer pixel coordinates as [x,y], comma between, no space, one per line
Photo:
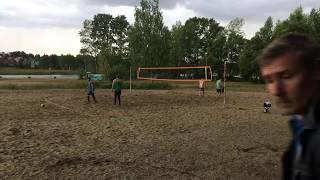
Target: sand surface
[154,134]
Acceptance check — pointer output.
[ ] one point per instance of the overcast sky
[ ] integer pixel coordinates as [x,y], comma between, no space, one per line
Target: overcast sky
[52,26]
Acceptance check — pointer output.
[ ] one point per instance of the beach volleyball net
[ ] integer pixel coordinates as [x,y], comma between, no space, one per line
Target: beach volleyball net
[186,73]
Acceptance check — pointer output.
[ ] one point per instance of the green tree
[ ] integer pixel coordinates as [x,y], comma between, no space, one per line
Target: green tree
[297,22]
[105,38]
[87,63]
[68,62]
[117,55]
[178,50]
[101,33]
[200,41]
[119,26]
[217,52]
[88,48]
[234,45]
[149,39]
[248,58]
[314,21]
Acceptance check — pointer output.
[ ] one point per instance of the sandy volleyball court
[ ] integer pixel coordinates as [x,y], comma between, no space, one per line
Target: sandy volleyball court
[155,134]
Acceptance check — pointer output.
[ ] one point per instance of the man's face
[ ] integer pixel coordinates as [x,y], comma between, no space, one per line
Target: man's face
[291,85]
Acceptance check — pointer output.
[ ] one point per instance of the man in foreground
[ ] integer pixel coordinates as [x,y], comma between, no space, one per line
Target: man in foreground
[291,69]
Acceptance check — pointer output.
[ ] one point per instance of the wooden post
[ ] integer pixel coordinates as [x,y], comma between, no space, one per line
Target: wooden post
[205,72]
[224,81]
[130,79]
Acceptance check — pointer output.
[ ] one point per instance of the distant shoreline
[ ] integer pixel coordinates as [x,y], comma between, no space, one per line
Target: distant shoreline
[52,76]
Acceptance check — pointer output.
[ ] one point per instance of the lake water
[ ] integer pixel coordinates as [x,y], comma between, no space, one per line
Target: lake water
[55,76]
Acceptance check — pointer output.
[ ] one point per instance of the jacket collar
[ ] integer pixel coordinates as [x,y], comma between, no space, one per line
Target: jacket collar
[312,119]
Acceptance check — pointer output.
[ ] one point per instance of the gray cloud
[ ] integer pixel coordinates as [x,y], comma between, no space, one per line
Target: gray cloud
[38,21]
[250,10]
[71,13]
[112,2]
[54,13]
[225,10]
[166,4]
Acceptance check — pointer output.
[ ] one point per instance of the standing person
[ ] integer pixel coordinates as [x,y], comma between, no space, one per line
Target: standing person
[201,87]
[91,89]
[291,69]
[116,87]
[219,86]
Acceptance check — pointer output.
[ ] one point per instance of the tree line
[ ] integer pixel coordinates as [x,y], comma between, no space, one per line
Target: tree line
[20,59]
[115,45]
[110,45]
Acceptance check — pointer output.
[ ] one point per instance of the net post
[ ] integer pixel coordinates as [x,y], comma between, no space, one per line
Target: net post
[205,73]
[224,82]
[130,79]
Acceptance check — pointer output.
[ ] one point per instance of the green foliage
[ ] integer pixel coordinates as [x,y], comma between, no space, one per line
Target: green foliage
[149,39]
[178,50]
[200,41]
[297,22]
[82,74]
[247,63]
[314,22]
[234,45]
[101,33]
[120,70]
[119,27]
[86,40]
[87,63]
[105,38]
[116,46]
[111,46]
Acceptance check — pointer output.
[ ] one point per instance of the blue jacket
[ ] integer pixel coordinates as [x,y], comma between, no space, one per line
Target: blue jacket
[90,87]
[307,166]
